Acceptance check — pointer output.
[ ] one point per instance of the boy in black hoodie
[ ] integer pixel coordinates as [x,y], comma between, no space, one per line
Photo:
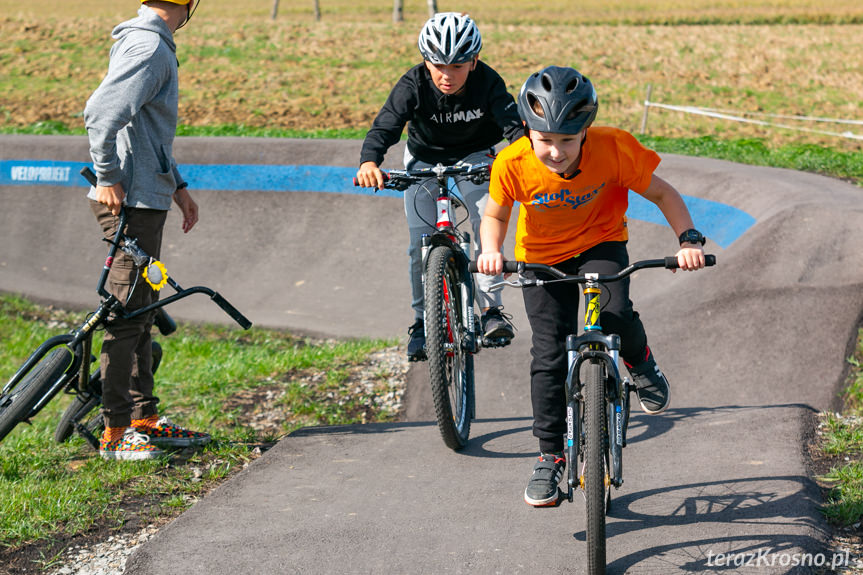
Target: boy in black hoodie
[457,108]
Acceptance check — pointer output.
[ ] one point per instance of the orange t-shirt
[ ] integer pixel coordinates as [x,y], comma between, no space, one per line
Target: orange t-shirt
[561,218]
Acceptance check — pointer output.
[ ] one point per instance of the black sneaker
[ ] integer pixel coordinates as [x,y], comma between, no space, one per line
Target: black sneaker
[542,488]
[497,330]
[417,341]
[654,393]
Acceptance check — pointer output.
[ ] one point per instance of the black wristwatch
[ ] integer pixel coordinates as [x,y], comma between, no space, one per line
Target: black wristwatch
[691,236]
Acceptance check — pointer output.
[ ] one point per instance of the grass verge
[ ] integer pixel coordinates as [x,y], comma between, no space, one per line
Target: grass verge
[245,388]
[840,441]
[846,165]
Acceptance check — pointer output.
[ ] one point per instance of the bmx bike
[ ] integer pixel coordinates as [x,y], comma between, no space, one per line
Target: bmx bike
[65,362]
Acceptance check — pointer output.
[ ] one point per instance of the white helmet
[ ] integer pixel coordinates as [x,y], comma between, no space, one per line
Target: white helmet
[450,38]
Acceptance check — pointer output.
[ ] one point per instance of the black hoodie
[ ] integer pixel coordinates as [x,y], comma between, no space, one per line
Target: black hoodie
[444,128]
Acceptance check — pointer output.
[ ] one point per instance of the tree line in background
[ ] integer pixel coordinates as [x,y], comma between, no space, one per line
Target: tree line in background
[398,9]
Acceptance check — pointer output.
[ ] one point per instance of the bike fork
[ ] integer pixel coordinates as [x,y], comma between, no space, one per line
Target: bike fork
[618,420]
[573,427]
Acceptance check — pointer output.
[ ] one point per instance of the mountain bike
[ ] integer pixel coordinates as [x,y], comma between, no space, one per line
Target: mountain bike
[63,362]
[597,409]
[452,325]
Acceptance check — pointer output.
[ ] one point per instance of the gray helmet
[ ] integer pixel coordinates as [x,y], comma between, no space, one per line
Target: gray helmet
[449,38]
[557,100]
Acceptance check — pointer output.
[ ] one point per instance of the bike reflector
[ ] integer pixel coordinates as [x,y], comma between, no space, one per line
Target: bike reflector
[156,275]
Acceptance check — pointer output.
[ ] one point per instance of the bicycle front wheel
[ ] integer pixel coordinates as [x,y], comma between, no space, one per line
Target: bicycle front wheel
[16,406]
[450,365]
[595,463]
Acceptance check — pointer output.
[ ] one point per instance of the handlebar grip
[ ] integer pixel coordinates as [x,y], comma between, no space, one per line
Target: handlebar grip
[509,267]
[89,175]
[671,261]
[231,311]
[386,178]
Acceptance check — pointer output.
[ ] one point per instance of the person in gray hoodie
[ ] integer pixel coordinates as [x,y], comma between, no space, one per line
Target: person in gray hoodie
[131,120]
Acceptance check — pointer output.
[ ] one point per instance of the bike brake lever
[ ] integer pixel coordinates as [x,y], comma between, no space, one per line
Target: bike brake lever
[511,283]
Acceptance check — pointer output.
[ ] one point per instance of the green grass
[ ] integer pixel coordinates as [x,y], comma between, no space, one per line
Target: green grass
[805,157]
[48,490]
[753,151]
[842,438]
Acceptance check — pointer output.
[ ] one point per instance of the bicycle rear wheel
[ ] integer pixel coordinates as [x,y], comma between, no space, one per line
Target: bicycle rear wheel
[450,365]
[16,406]
[596,449]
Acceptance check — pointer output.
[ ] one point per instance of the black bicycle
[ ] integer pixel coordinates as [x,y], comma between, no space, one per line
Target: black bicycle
[64,362]
[452,325]
[597,409]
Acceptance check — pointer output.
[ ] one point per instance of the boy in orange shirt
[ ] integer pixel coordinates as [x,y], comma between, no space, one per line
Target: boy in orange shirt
[572,181]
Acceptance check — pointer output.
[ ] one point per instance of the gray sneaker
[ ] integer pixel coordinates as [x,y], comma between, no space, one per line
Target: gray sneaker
[417,341]
[542,488]
[654,393]
[497,329]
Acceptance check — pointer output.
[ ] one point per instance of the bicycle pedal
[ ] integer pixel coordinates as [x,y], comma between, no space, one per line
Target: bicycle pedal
[496,342]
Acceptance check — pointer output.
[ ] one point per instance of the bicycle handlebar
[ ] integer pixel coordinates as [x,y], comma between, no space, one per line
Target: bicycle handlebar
[669,262]
[402,179]
[139,256]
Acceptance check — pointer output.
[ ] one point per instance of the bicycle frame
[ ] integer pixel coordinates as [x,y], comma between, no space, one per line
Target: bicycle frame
[593,344]
[448,234]
[451,323]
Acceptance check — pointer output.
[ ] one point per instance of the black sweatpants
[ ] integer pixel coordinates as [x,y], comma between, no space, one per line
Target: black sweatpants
[553,314]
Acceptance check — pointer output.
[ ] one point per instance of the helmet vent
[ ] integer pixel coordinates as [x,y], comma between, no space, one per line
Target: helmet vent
[573,84]
[534,104]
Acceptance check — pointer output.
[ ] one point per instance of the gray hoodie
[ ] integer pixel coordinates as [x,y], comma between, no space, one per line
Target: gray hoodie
[131,118]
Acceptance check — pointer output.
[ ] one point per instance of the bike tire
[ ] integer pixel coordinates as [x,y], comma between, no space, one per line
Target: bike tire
[80,410]
[450,365]
[75,412]
[16,406]
[595,456]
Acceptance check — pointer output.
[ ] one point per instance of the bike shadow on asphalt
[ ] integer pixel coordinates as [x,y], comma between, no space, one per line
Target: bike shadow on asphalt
[765,503]
[786,554]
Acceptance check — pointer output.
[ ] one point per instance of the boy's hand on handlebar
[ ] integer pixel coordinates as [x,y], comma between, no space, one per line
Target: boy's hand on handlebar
[111,196]
[370,176]
[490,263]
[690,258]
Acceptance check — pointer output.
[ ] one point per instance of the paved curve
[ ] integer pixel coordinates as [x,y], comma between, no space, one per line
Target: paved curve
[752,348]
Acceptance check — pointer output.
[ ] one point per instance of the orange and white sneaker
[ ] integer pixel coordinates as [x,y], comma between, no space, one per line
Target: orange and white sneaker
[131,446]
[165,433]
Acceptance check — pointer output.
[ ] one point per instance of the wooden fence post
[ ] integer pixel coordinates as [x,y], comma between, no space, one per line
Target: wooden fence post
[646,106]
[398,11]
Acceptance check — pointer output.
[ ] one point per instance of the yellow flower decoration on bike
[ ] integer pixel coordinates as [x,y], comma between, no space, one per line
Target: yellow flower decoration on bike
[156,275]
